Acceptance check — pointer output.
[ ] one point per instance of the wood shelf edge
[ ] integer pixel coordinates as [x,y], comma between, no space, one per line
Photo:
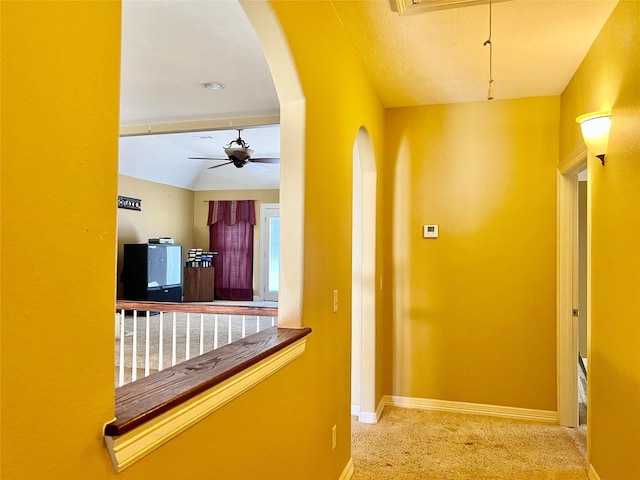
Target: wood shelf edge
[131,444]
[141,401]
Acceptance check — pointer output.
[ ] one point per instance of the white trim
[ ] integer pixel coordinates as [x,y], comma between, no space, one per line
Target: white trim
[267,211]
[198,125]
[546,416]
[292,155]
[566,293]
[132,446]
[574,162]
[363,289]
[347,473]
[368,417]
[566,288]
[592,474]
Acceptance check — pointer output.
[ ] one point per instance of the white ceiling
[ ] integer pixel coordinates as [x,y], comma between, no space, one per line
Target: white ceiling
[170,47]
[165,159]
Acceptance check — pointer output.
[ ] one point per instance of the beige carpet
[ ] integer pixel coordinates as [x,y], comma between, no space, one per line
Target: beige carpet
[421,444]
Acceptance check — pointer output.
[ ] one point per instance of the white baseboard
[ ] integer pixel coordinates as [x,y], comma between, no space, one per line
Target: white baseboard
[368,417]
[347,473]
[546,416]
[592,474]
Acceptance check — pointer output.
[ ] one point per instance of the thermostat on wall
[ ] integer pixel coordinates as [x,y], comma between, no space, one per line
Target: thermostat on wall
[430,231]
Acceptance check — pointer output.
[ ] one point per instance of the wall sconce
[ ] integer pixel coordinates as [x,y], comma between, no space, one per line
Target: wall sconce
[595,132]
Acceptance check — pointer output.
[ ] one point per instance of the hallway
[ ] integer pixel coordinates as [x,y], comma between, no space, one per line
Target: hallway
[421,444]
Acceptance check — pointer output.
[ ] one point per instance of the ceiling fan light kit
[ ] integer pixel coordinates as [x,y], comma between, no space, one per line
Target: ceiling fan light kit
[238,153]
[238,156]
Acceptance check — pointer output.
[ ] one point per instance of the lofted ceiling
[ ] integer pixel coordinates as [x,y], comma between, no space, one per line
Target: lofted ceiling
[171,47]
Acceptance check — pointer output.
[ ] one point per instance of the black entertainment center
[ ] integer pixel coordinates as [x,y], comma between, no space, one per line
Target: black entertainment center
[152,271]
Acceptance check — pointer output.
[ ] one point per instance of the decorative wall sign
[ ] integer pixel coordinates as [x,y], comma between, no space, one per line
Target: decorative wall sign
[130,203]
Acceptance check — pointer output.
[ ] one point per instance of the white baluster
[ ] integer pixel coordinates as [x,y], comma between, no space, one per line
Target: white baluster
[257,324]
[146,346]
[188,338]
[201,333]
[215,331]
[273,321]
[134,350]
[121,368]
[244,326]
[160,341]
[230,337]
[173,342]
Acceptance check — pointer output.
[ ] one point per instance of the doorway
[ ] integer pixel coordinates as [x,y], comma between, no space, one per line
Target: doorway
[363,290]
[270,248]
[583,306]
[573,278]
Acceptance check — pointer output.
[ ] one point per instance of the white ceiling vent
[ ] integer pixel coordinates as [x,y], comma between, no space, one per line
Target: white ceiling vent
[407,7]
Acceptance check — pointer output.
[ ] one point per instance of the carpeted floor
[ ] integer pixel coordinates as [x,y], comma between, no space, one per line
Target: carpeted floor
[427,445]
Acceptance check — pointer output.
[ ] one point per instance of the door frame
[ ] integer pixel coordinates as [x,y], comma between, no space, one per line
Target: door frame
[265,234]
[566,286]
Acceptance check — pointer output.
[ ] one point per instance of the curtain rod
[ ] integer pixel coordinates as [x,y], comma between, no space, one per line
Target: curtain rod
[207,201]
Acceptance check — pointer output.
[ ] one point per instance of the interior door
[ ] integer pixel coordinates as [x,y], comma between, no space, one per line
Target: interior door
[270,242]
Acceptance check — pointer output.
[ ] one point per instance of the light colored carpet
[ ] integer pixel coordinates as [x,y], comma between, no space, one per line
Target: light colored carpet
[424,445]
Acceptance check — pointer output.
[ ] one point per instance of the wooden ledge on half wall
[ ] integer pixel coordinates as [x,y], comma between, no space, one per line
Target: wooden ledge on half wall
[147,398]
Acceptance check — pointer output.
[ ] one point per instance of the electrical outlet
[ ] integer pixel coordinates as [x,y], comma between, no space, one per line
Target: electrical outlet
[334,437]
[335,301]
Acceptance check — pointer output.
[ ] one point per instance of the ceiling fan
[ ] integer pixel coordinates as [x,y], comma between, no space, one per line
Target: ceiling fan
[238,156]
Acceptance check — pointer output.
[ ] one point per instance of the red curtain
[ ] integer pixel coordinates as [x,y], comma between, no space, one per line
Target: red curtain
[231,235]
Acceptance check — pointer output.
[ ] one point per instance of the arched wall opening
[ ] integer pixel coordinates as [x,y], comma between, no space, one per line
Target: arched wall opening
[292,154]
[363,290]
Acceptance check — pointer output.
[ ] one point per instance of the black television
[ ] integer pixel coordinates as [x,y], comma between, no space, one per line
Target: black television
[152,272]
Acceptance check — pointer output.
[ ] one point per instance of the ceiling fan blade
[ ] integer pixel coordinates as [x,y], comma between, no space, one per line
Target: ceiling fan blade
[221,165]
[207,158]
[257,167]
[264,160]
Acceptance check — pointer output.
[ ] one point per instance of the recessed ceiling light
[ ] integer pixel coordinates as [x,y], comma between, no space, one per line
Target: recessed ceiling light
[213,85]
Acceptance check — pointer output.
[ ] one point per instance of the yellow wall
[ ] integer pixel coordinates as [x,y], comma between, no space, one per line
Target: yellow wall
[339,101]
[178,213]
[60,76]
[166,212]
[608,78]
[474,310]
[60,63]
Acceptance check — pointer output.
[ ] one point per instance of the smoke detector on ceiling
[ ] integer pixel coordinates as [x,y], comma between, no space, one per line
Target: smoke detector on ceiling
[407,7]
